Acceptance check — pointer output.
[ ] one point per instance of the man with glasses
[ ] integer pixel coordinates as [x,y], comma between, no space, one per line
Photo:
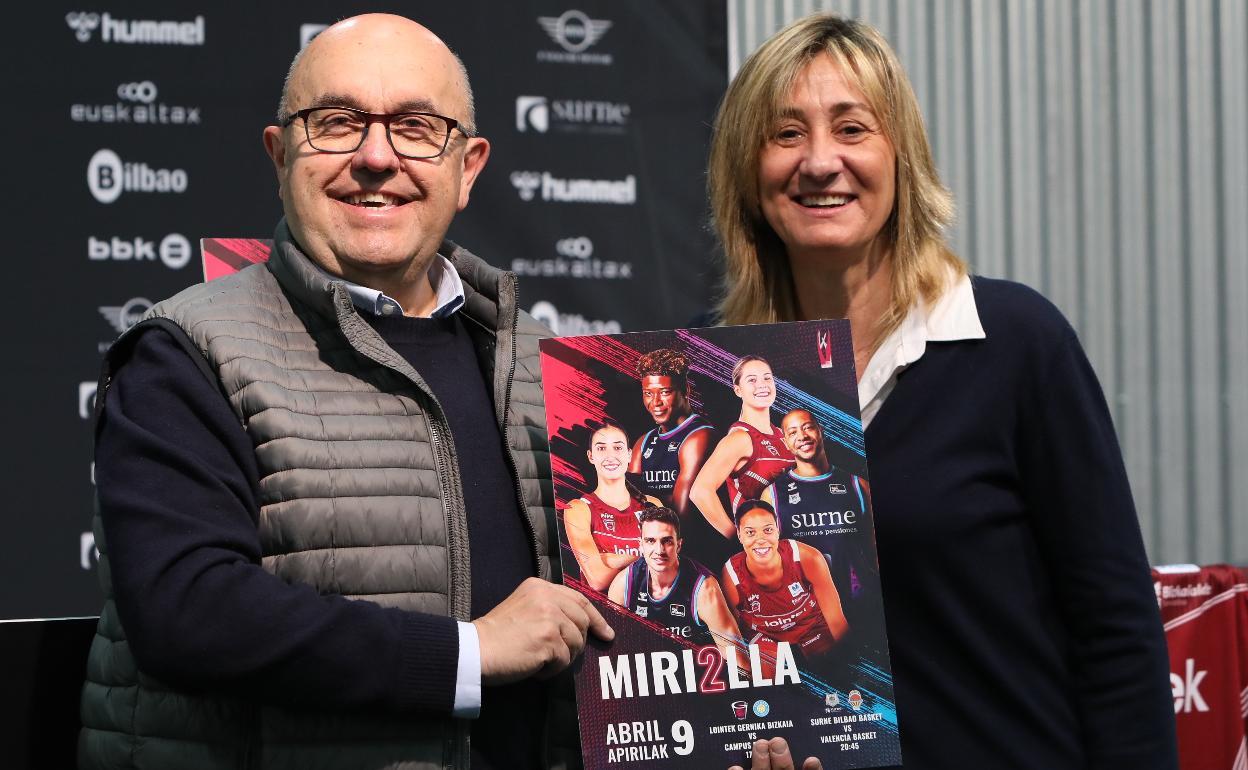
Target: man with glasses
[323,507]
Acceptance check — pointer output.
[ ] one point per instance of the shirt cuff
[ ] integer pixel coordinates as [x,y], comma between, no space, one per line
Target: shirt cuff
[468,673]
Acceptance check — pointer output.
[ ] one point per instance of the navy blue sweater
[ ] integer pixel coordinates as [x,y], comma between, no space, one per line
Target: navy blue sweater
[177,481]
[1022,621]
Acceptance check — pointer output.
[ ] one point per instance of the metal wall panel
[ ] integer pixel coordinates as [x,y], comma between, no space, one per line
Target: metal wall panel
[1097,152]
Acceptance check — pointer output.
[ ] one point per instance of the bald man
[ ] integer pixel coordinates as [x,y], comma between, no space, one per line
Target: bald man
[321,520]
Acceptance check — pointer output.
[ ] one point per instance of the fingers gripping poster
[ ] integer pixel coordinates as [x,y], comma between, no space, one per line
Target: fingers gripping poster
[714,505]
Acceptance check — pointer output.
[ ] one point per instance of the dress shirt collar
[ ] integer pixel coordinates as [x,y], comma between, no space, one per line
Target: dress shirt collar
[953,317]
[447,287]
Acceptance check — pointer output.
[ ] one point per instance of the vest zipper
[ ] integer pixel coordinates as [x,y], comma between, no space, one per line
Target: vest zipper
[510,279]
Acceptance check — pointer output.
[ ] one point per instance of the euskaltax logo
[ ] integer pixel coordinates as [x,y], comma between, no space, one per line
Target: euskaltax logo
[135,31]
[136,104]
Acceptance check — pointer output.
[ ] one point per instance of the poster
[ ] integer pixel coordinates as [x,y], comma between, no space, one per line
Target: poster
[714,505]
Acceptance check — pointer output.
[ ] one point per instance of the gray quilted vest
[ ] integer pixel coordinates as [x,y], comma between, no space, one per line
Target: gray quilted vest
[336,416]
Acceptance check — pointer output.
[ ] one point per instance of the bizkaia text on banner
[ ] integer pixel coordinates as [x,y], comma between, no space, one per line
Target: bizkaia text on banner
[541,114]
[136,104]
[555,189]
[575,32]
[574,259]
[108,177]
[135,31]
[174,250]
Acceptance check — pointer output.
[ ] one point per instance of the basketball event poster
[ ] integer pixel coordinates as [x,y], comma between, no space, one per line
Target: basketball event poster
[714,505]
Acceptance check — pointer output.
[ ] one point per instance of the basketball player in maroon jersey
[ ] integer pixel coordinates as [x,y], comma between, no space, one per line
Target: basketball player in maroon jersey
[602,525]
[781,590]
[751,455]
[670,455]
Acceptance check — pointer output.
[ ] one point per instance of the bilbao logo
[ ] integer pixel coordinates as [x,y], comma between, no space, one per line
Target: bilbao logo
[528,184]
[571,324]
[542,114]
[135,31]
[174,250]
[574,32]
[574,258]
[108,177]
[137,103]
[122,317]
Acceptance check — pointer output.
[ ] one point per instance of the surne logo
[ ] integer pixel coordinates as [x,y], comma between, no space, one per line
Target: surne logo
[1186,689]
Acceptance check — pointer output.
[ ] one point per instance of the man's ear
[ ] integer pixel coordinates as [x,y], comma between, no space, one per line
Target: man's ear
[476,153]
[275,146]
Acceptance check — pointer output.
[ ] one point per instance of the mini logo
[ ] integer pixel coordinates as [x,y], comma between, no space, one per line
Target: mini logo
[761,708]
[86,398]
[795,588]
[144,92]
[738,708]
[617,191]
[574,31]
[831,701]
[571,324]
[83,24]
[677,610]
[824,343]
[532,112]
[108,177]
[855,700]
[136,31]
[643,612]
[309,31]
[837,489]
[122,317]
[174,250]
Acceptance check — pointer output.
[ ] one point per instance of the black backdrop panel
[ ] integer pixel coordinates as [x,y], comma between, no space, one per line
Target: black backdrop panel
[129,141]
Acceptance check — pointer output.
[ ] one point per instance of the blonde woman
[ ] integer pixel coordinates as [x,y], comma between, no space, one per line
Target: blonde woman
[1016,587]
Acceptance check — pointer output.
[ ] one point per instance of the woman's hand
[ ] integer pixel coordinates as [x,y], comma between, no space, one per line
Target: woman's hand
[774,755]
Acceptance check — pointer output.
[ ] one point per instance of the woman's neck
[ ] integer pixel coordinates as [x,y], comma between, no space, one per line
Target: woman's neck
[859,290]
[758,418]
[613,492]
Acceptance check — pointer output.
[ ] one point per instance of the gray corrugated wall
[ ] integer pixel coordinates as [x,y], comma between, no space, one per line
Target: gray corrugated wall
[1098,151]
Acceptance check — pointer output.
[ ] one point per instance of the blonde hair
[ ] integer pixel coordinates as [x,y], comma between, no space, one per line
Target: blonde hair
[758,282]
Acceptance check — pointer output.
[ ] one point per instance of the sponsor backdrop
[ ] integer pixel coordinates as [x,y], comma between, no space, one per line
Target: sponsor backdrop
[140,134]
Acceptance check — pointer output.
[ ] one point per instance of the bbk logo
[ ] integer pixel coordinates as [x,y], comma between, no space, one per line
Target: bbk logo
[616,191]
[174,250]
[574,32]
[122,317]
[108,177]
[571,324]
[1186,689]
[136,104]
[570,115]
[135,31]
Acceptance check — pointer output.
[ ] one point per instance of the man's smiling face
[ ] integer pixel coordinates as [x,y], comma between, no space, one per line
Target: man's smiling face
[372,212]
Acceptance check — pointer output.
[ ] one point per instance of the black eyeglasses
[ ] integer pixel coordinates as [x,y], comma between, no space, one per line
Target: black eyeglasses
[414,135]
